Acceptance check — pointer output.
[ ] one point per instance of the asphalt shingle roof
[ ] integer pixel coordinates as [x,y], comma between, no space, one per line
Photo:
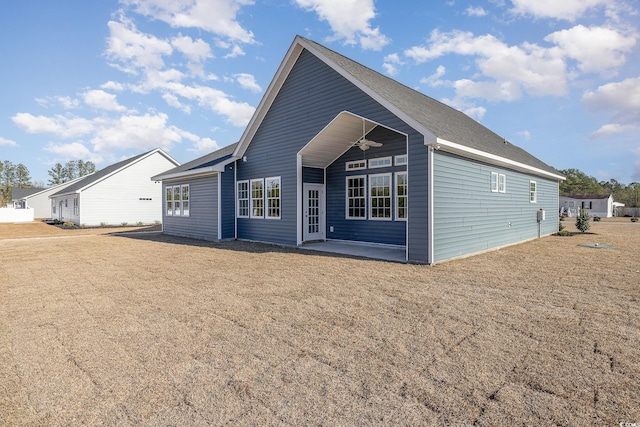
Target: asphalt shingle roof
[210,159]
[440,119]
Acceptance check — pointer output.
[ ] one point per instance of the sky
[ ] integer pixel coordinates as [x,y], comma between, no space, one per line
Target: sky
[104,80]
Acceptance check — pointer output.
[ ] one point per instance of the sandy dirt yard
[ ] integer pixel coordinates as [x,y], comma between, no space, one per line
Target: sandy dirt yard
[145,329]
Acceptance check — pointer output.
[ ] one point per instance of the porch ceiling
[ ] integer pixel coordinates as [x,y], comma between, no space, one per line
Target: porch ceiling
[335,139]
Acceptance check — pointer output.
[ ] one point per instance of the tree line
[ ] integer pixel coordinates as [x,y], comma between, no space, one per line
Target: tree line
[18,176]
[579,183]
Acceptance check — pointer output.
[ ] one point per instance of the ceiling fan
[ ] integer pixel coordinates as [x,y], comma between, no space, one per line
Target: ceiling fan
[363,143]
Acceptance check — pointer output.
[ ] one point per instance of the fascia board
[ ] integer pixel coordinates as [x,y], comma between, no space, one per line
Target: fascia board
[454,148]
[209,170]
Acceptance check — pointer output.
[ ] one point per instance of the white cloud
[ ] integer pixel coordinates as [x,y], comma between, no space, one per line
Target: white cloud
[390,62]
[204,145]
[434,79]
[62,126]
[349,20]
[4,142]
[597,49]
[525,134]
[111,85]
[248,81]
[215,16]
[102,100]
[510,70]
[469,109]
[569,10]
[622,99]
[174,102]
[475,11]
[390,69]
[73,150]
[612,129]
[195,51]
[236,51]
[132,49]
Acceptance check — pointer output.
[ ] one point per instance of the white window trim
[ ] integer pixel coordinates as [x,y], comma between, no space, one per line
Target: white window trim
[346,198]
[266,197]
[182,211]
[533,199]
[494,182]
[355,165]
[248,199]
[372,162]
[251,198]
[397,196]
[401,160]
[502,183]
[177,211]
[167,189]
[369,196]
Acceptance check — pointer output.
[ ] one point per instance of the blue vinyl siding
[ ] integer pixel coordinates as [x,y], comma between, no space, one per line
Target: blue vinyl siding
[312,95]
[468,217]
[375,231]
[228,202]
[202,222]
[313,175]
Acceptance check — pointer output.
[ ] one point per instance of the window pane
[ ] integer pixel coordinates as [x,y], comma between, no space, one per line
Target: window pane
[380,196]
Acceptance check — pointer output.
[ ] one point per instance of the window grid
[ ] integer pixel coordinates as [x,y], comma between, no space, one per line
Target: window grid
[502,183]
[400,160]
[243,199]
[356,165]
[402,197]
[380,162]
[169,199]
[185,199]
[273,197]
[533,192]
[257,198]
[356,197]
[380,197]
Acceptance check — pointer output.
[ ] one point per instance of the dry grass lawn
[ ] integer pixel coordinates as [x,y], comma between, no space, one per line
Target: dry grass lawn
[150,330]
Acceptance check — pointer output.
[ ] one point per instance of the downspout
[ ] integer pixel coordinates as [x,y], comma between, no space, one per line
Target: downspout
[220,205]
[430,237]
[298,200]
[235,201]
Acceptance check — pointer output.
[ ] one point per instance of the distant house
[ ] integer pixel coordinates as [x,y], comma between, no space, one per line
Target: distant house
[40,202]
[120,193]
[338,152]
[18,195]
[601,205]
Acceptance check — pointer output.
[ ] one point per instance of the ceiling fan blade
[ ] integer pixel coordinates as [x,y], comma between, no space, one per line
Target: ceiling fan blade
[371,143]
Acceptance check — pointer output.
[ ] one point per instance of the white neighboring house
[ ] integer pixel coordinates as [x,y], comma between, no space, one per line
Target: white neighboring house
[120,193]
[40,202]
[596,205]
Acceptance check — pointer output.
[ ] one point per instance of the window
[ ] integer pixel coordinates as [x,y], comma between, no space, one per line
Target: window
[257,198]
[494,182]
[273,197]
[380,162]
[502,183]
[185,199]
[586,205]
[356,198]
[356,165]
[400,160]
[498,182]
[380,196]
[177,200]
[401,196]
[169,197]
[53,207]
[533,192]
[243,199]
[76,207]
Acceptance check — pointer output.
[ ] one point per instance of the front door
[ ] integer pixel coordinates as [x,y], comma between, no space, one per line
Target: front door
[313,212]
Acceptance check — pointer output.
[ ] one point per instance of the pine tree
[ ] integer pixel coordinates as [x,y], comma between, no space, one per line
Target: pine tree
[57,174]
[23,179]
[582,221]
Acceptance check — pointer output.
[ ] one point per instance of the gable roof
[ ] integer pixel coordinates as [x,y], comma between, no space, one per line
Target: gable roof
[443,127]
[587,196]
[209,163]
[102,174]
[21,193]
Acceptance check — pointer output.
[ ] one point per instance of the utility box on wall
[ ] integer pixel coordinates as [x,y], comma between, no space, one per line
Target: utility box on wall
[541,216]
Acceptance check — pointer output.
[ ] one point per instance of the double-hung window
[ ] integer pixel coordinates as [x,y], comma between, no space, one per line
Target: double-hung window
[257,198]
[177,200]
[380,196]
[356,197]
[498,182]
[76,207]
[533,192]
[402,196]
[243,199]
[272,193]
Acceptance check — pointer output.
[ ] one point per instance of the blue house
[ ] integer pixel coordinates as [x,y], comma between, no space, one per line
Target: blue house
[338,152]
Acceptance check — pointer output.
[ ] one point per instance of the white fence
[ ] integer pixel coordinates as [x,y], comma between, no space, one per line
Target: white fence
[627,212]
[16,215]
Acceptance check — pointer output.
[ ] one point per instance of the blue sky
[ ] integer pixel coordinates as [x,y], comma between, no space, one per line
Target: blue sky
[104,80]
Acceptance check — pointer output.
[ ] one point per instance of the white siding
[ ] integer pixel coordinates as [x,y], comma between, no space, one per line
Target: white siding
[124,196]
